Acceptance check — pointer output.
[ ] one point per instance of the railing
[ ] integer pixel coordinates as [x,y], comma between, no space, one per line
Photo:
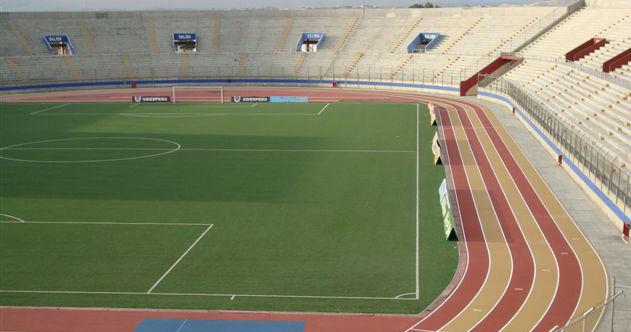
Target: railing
[612,179]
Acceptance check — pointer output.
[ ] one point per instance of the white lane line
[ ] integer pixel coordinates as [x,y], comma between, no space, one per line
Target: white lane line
[211,149]
[181,326]
[49,109]
[107,223]
[14,218]
[207,295]
[323,108]
[418,287]
[179,259]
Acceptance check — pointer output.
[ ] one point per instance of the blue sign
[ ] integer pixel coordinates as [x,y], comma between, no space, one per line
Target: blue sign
[429,39]
[58,39]
[310,36]
[288,99]
[185,36]
[313,35]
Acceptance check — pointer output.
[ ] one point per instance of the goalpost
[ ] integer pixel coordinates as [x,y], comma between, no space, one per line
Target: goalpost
[197,94]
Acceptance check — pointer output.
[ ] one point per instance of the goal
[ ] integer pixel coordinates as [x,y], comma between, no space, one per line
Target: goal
[197,94]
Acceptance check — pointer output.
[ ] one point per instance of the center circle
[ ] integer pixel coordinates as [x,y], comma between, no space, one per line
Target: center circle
[88,149]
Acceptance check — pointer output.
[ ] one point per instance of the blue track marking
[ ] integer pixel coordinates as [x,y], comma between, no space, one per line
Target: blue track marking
[195,325]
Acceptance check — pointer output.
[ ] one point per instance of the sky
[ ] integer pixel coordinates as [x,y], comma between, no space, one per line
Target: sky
[93,5]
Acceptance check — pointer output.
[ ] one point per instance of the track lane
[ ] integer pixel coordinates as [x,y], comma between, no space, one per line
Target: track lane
[522,277]
[569,287]
[478,256]
[501,265]
[545,273]
[594,287]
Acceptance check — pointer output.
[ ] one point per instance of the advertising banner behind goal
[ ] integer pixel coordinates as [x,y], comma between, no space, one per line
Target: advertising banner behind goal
[150,99]
[249,99]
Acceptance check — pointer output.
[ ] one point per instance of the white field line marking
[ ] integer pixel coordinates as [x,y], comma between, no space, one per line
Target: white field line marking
[107,223]
[218,150]
[254,105]
[10,217]
[207,114]
[323,108]
[88,148]
[179,259]
[208,295]
[404,295]
[418,287]
[133,105]
[49,109]
[180,114]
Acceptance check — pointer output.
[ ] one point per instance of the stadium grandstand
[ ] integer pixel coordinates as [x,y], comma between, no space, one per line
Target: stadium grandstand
[317,169]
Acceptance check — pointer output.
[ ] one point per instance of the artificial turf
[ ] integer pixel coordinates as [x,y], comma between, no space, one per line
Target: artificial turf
[303,201]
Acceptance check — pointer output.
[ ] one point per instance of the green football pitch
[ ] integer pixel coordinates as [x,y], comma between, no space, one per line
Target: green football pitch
[276,207]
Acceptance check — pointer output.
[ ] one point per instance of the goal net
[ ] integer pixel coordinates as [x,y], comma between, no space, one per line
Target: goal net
[197,94]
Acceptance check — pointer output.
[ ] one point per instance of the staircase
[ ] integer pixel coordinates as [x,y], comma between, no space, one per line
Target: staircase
[352,27]
[300,62]
[20,38]
[216,35]
[243,63]
[354,62]
[72,70]
[184,65]
[404,35]
[462,35]
[16,69]
[516,33]
[151,34]
[451,62]
[85,34]
[282,38]
[127,65]
[401,65]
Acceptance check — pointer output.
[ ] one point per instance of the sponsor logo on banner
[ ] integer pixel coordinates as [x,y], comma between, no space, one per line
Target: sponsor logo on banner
[249,99]
[151,99]
[288,99]
[448,219]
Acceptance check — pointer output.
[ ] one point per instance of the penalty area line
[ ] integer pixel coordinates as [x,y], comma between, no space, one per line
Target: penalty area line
[323,108]
[230,295]
[179,259]
[104,223]
[13,219]
[49,109]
